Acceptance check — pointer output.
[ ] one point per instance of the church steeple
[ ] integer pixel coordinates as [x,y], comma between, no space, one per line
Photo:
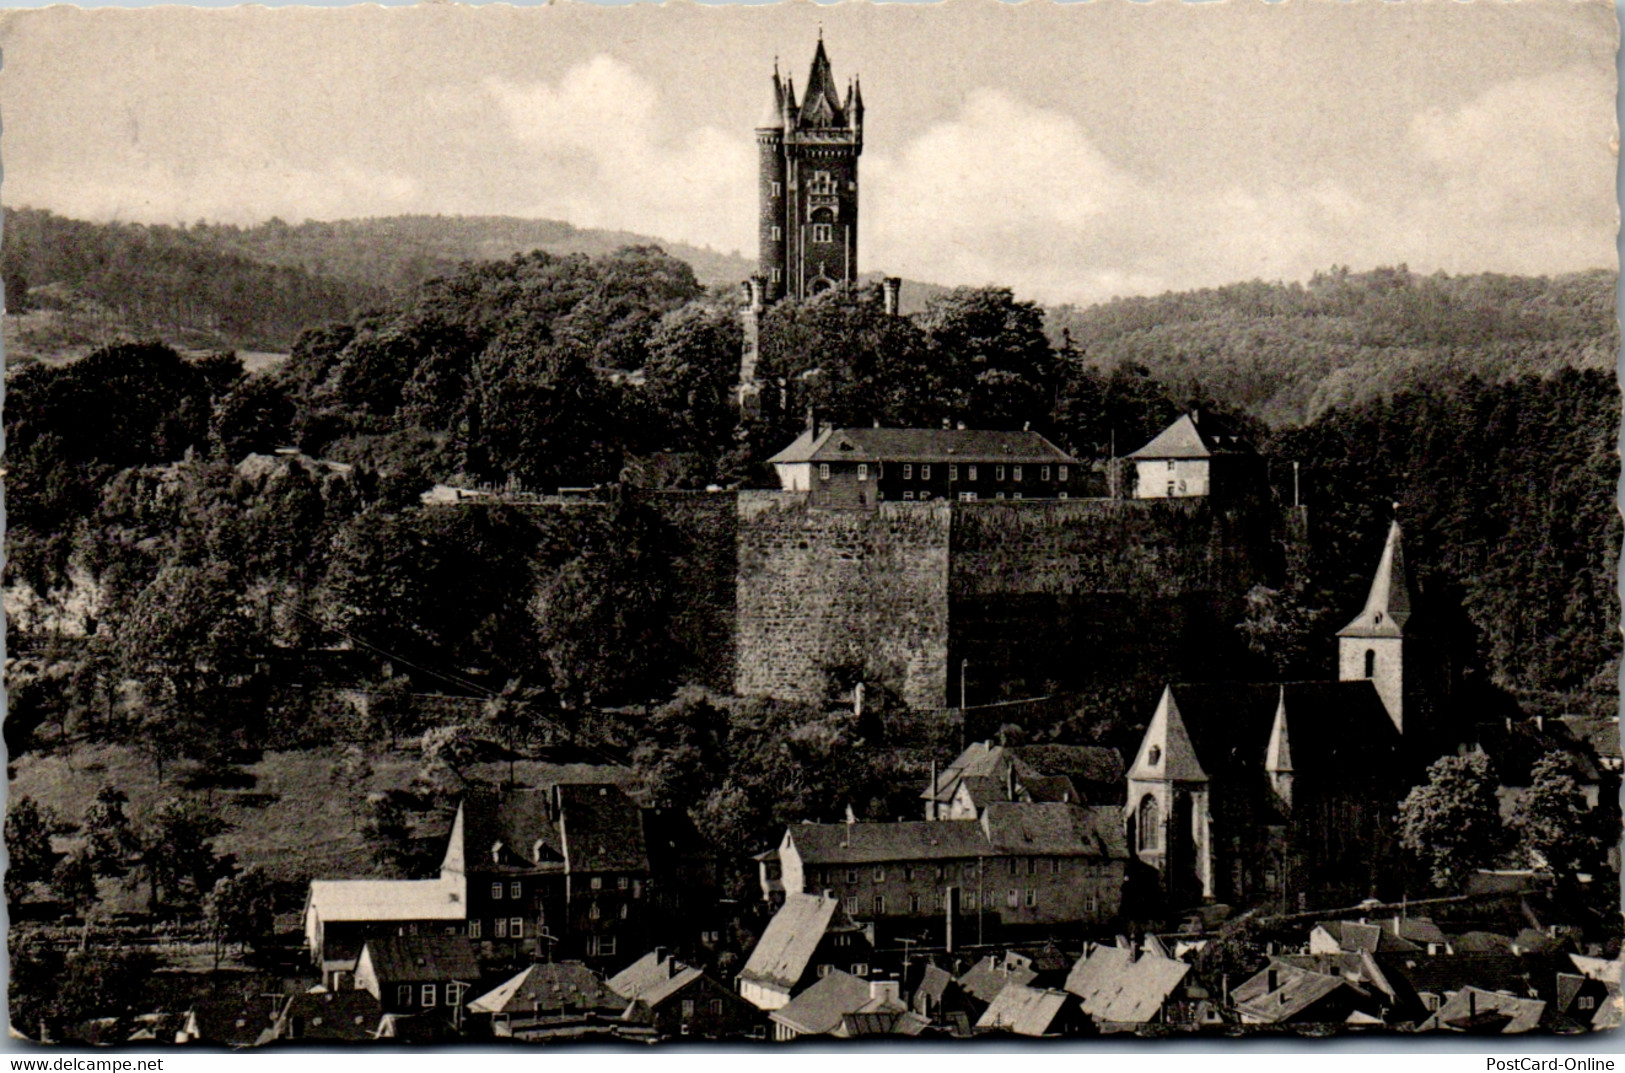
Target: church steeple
[821,106]
[1372,646]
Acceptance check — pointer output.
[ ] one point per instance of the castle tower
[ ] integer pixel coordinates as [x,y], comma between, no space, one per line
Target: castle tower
[1373,645]
[808,159]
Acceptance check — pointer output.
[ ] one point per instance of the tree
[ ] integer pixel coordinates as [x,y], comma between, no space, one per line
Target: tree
[1552,822]
[240,911]
[110,841]
[388,835]
[351,775]
[73,883]
[451,750]
[990,353]
[177,850]
[28,847]
[1453,821]
[1283,630]
[688,380]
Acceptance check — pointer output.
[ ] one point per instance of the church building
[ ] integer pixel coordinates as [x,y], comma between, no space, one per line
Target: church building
[1284,793]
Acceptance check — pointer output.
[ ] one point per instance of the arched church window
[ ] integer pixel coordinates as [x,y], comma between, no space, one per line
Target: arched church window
[1150,824]
[1370,663]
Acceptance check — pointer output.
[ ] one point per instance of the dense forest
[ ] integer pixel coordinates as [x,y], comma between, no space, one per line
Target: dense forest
[1287,353]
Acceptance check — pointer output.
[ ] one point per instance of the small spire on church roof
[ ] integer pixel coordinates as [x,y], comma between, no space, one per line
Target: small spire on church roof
[772,117]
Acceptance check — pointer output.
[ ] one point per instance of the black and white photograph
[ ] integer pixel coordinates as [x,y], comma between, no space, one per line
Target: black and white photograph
[869,526]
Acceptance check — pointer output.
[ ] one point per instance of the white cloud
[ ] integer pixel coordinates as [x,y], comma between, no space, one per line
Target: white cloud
[602,155]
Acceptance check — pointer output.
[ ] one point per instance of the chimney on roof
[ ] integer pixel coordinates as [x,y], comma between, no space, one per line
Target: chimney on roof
[812,420]
[1396,924]
[1272,980]
[1472,1003]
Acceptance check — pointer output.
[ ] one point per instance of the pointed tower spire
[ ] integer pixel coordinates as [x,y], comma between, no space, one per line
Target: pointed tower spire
[772,117]
[1388,605]
[821,105]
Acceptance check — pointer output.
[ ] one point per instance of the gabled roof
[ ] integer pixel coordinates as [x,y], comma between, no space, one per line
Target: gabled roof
[406,959]
[603,829]
[1115,989]
[664,990]
[867,843]
[1297,989]
[990,976]
[790,939]
[1193,435]
[346,1016]
[576,827]
[1474,1009]
[1079,774]
[1025,1011]
[357,900]
[1337,730]
[567,986]
[1359,937]
[1388,604]
[921,445]
[1055,830]
[820,1008]
[1357,968]
[1450,972]
[650,970]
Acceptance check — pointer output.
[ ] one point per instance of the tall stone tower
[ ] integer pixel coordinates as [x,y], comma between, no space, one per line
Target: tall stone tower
[808,157]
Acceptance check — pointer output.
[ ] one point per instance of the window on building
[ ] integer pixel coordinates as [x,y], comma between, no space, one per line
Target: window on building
[473,929]
[822,233]
[1271,880]
[1015,495]
[825,970]
[1043,473]
[967,497]
[908,471]
[403,995]
[971,472]
[880,905]
[501,928]
[908,872]
[1586,1002]
[852,905]
[513,890]
[778,275]
[925,472]
[823,471]
[597,883]
[428,995]
[496,891]
[1170,465]
[942,871]
[1054,866]
[953,472]
[1015,865]
[601,946]
[1150,824]
[1060,473]
[716,1007]
[913,903]
[688,1008]
[851,875]
[1063,495]
[626,910]
[1012,898]
[908,495]
[593,912]
[778,191]
[998,473]
[1016,471]
[1030,898]
[1370,663]
[637,889]
[863,471]
[998,495]
[1170,489]
[969,869]
[1032,866]
[622,882]
[1091,902]
[516,928]
[860,969]
[778,233]
[821,183]
[880,873]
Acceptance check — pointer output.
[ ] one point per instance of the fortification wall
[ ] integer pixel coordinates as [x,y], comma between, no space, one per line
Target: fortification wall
[822,590]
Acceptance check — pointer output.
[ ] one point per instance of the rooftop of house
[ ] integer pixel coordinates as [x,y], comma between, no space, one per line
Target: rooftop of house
[666,989]
[359,900]
[1284,990]
[1473,1009]
[1355,967]
[819,1009]
[986,979]
[558,986]
[405,959]
[1006,828]
[1024,1011]
[573,827]
[1078,774]
[1193,435]
[650,970]
[781,956]
[1450,972]
[1360,937]
[1117,987]
[234,1020]
[921,445]
[337,1016]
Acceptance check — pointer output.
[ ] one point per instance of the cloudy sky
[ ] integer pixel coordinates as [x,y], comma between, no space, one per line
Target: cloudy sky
[1073,151]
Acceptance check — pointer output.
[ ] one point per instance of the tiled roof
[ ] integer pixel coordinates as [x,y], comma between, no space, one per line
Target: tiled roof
[603,829]
[406,959]
[820,1008]
[990,976]
[330,1015]
[921,445]
[650,970]
[1024,1011]
[1357,968]
[1296,990]
[1114,989]
[1008,827]
[553,986]
[1055,830]
[1198,436]
[934,985]
[1081,774]
[347,900]
[1371,938]
[788,942]
[665,989]
[1475,1009]
[1450,972]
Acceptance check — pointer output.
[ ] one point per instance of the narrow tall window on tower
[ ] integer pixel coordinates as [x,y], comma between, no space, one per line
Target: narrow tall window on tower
[1370,663]
[822,232]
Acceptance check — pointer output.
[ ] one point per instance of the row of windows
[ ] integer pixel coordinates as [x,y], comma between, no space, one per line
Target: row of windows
[822,183]
[820,233]
[969,869]
[859,968]
[501,928]
[953,472]
[516,891]
[969,497]
[1014,898]
[429,995]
